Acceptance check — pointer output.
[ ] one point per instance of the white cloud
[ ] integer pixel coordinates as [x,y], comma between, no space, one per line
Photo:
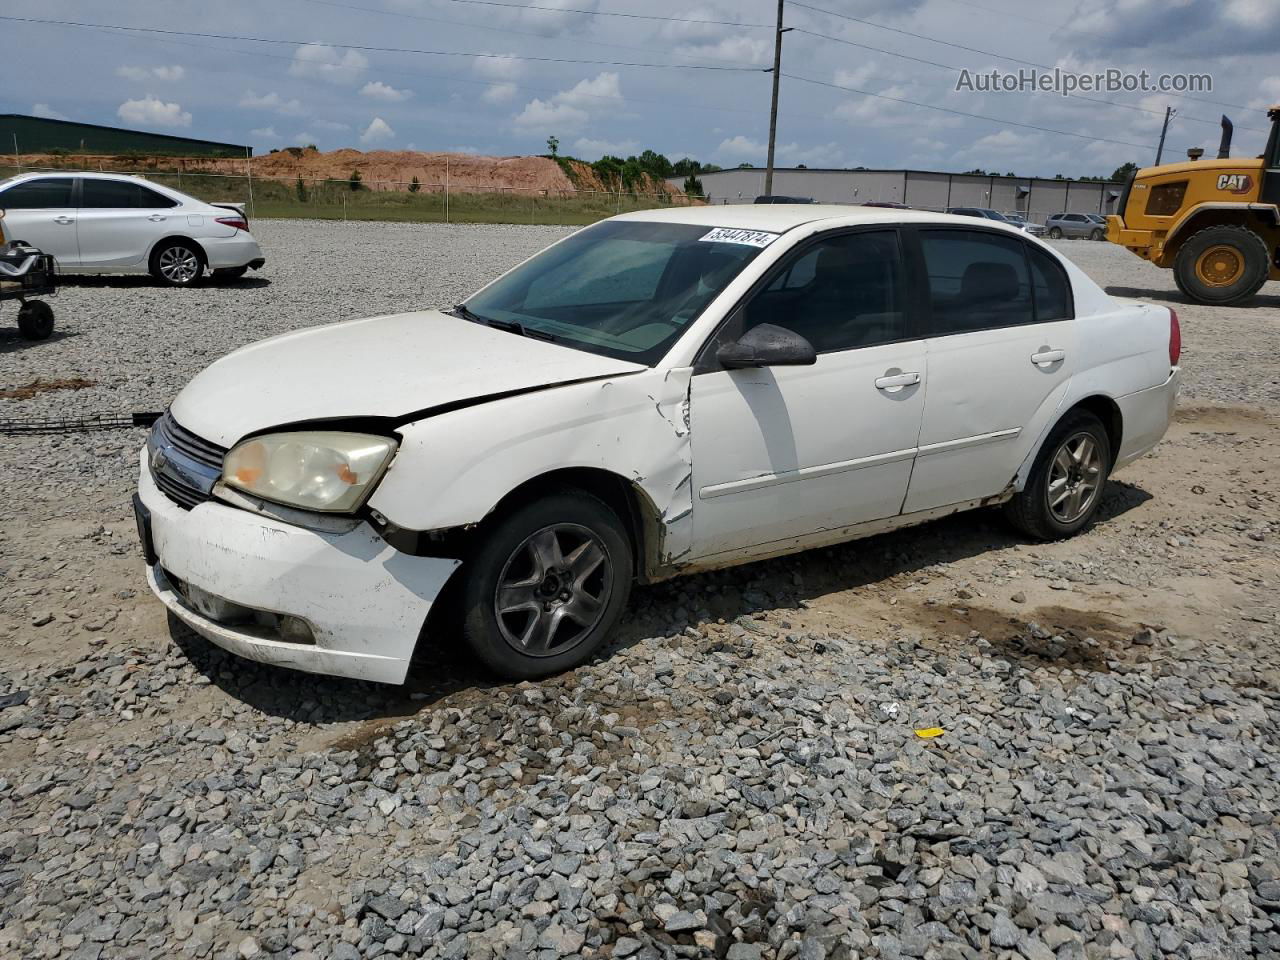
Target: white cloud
[568,109]
[378,129]
[152,112]
[170,74]
[743,148]
[322,61]
[499,93]
[303,137]
[331,124]
[272,101]
[462,149]
[46,111]
[739,149]
[738,48]
[377,90]
[618,148]
[265,133]
[544,115]
[587,93]
[498,66]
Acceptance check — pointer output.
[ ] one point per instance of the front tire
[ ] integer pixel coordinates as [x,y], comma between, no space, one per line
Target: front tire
[177,263]
[35,320]
[1096,235]
[1223,265]
[1066,482]
[1055,233]
[546,586]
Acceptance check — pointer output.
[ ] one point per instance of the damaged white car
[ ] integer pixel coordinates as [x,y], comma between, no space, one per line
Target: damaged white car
[661,393]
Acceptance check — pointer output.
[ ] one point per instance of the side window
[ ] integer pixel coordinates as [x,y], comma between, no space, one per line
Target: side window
[50,193]
[119,195]
[1052,289]
[977,281]
[840,293]
[1165,199]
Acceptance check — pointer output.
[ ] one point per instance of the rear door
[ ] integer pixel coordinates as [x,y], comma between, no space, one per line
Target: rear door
[120,220]
[1001,345]
[42,212]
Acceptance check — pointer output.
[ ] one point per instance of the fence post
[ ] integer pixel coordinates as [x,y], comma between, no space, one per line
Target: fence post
[17,160]
[249,169]
[446,188]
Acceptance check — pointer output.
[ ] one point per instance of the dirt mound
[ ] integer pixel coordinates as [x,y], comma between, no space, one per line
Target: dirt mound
[378,169]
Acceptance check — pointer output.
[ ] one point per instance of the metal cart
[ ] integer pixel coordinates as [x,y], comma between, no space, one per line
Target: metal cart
[26,272]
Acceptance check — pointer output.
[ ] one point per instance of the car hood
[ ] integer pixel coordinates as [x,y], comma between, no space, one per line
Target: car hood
[391,369]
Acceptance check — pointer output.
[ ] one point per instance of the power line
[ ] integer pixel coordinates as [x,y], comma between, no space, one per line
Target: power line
[370,48]
[946,66]
[608,13]
[965,113]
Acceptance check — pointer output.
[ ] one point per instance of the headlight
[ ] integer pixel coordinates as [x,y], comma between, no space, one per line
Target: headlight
[319,470]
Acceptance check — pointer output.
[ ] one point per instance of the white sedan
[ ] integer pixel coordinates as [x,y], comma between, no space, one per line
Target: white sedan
[661,393]
[112,223]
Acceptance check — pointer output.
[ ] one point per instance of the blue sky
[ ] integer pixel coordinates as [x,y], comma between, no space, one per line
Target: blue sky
[498,90]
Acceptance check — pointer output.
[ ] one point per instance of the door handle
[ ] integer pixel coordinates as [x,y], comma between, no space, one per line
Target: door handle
[157,218]
[64,219]
[892,382]
[1044,356]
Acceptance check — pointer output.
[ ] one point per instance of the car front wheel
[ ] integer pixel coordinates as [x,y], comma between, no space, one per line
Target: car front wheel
[1055,233]
[1065,486]
[547,585]
[177,263]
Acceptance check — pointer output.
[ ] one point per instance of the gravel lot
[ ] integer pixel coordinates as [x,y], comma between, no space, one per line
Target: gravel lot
[738,776]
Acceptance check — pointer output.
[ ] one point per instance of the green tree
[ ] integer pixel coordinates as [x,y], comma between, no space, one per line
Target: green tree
[553,145]
[693,186]
[414,185]
[300,188]
[746,166]
[656,165]
[354,181]
[1124,171]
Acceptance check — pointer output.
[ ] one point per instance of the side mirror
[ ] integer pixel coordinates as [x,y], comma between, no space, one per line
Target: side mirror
[767,346]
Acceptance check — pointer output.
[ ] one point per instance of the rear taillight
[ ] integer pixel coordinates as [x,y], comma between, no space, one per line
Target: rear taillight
[1175,338]
[240,223]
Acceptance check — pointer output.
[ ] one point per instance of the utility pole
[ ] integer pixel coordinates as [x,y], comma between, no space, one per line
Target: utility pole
[1169,114]
[773,108]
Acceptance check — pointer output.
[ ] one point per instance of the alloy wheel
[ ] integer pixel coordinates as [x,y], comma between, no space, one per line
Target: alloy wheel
[1075,477]
[179,264]
[553,590]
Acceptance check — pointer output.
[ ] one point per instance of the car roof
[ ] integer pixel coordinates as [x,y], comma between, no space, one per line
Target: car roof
[93,174]
[780,217]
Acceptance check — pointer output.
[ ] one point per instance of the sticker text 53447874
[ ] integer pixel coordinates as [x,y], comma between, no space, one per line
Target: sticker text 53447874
[752,238]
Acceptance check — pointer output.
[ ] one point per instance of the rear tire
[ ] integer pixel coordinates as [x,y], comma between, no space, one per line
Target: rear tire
[35,320]
[1096,235]
[177,263]
[546,586]
[1223,265]
[1067,480]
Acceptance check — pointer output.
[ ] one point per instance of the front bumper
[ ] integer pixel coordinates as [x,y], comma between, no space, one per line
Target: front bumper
[365,601]
[240,250]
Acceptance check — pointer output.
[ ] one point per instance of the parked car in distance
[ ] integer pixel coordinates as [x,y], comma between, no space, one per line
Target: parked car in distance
[886,204]
[1023,224]
[774,198]
[664,392]
[114,223]
[1074,226]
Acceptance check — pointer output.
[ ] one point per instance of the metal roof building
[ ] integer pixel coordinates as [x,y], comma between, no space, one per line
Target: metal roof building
[24,134]
[1034,197]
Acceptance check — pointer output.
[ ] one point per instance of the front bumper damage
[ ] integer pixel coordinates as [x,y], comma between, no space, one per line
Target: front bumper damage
[248,583]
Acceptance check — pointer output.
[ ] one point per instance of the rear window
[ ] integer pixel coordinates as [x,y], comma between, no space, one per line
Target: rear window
[50,193]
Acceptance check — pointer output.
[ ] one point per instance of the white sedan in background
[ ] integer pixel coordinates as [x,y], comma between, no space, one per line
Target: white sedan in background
[661,393]
[113,223]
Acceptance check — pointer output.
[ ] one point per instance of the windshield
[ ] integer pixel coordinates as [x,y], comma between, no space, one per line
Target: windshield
[625,289]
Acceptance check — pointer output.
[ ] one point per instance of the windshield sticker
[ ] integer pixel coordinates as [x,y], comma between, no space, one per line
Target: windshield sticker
[751,238]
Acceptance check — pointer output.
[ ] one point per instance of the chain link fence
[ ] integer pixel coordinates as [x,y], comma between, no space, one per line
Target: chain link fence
[398,200]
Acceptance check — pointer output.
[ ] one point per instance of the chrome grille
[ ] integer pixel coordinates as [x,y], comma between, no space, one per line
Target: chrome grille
[184,466]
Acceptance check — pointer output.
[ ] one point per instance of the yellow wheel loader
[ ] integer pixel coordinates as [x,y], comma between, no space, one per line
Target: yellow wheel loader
[1215,223]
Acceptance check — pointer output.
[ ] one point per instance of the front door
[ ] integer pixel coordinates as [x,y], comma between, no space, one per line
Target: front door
[120,220]
[784,452]
[42,212]
[1000,354]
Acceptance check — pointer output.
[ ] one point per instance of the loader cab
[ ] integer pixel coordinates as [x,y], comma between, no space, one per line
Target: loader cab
[1271,161]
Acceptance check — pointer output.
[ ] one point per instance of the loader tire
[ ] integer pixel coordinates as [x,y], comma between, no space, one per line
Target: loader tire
[1223,265]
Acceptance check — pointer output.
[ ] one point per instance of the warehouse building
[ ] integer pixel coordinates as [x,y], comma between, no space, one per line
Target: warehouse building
[22,134]
[1033,197]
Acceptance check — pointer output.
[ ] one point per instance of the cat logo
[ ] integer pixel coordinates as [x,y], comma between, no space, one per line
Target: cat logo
[1235,182]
